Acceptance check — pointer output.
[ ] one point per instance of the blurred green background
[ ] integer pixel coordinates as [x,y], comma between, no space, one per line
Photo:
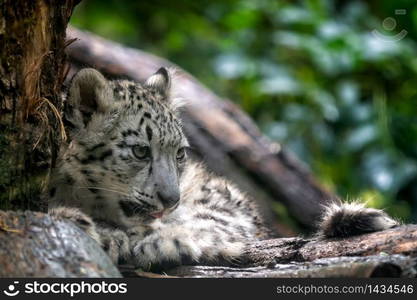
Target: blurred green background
[334,81]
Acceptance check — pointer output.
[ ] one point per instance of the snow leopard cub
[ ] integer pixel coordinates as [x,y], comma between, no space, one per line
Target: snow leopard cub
[126,180]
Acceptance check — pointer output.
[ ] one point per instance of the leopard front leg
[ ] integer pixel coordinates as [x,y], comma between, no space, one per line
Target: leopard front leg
[79,218]
[115,242]
[177,245]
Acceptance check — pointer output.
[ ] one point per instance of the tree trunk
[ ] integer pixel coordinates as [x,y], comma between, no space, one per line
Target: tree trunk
[222,134]
[32,70]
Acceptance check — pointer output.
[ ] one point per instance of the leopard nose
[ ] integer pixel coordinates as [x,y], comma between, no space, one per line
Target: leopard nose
[169,199]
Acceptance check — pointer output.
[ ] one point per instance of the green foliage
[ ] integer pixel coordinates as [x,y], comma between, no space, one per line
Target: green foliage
[310,73]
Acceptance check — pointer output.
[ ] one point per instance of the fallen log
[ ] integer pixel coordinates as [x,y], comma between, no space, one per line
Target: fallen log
[222,134]
[37,245]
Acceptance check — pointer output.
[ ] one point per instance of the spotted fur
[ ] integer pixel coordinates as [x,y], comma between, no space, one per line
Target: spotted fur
[126,168]
[352,219]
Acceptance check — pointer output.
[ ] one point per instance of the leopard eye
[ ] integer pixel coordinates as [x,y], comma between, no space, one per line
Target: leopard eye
[181,154]
[141,152]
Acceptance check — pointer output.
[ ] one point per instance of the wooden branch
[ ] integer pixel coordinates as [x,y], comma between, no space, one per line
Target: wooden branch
[222,134]
[37,245]
[399,240]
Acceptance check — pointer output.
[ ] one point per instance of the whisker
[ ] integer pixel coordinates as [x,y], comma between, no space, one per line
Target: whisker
[104,189]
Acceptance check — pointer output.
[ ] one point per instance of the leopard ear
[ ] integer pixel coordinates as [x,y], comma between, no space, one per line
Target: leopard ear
[89,94]
[161,81]
[165,82]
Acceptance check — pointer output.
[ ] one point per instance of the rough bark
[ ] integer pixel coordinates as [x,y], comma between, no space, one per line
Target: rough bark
[390,253]
[219,131]
[357,267]
[400,240]
[37,245]
[32,69]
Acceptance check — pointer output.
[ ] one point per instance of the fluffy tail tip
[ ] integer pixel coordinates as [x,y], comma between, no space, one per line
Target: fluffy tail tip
[351,219]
